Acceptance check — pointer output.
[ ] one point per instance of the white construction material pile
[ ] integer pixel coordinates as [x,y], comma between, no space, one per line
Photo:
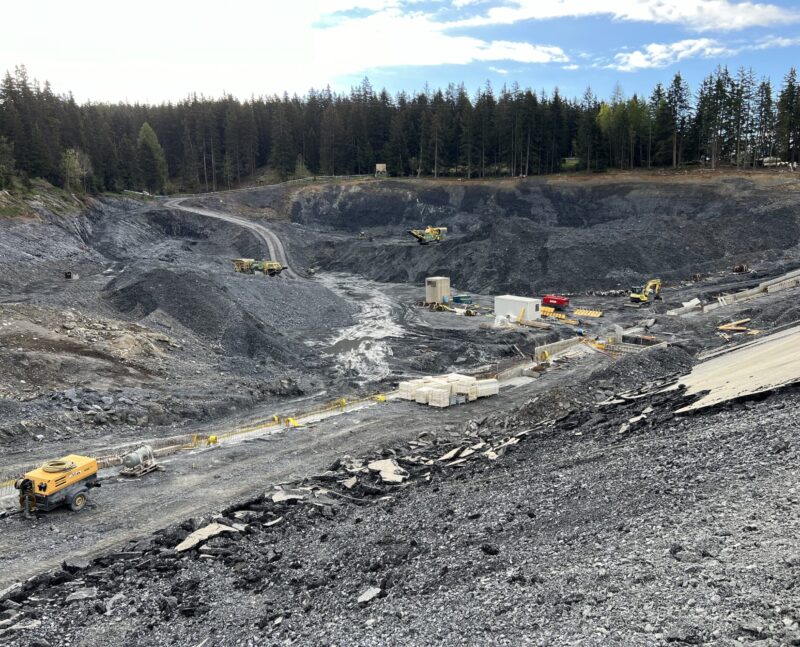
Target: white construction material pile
[444,390]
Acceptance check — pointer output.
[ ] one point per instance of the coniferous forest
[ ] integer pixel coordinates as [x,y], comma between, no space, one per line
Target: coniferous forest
[201,144]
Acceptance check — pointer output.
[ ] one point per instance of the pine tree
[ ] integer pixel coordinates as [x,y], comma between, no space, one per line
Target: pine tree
[789,118]
[679,103]
[283,155]
[152,163]
[6,163]
[587,129]
[764,121]
[660,135]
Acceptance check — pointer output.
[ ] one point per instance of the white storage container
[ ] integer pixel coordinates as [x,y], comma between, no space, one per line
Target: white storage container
[517,308]
[437,289]
[421,396]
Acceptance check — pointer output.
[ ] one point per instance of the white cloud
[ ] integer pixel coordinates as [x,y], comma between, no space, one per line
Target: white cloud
[664,54]
[498,70]
[660,55]
[503,50]
[162,52]
[572,66]
[700,15]
[392,38]
[768,42]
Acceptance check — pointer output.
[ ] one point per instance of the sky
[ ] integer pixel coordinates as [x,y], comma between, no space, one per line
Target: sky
[153,52]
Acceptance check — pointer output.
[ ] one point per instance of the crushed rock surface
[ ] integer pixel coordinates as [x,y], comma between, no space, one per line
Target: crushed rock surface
[679,530]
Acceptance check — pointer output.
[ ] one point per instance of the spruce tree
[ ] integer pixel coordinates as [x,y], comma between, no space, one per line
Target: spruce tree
[6,163]
[282,156]
[152,163]
[789,118]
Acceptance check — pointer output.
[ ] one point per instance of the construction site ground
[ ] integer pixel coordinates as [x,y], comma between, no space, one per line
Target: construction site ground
[620,523]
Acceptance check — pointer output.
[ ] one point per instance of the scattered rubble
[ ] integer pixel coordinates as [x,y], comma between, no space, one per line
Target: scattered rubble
[201,535]
[592,513]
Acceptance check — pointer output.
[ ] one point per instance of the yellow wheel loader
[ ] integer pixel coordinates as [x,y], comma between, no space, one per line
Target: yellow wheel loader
[65,481]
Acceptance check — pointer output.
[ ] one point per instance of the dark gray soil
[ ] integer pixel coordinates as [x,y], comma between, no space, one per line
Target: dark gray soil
[600,526]
[674,532]
[539,235]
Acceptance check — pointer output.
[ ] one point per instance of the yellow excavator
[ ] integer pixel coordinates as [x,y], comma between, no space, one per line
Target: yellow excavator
[641,295]
[429,234]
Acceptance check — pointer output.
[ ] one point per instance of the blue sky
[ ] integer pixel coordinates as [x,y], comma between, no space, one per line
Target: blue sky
[164,51]
[605,45]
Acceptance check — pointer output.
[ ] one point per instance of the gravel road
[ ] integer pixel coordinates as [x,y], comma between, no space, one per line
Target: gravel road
[277,251]
[199,481]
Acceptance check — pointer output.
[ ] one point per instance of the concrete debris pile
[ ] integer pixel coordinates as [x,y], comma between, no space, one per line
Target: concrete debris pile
[445,390]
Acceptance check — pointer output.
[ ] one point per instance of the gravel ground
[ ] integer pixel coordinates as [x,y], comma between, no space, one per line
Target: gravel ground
[558,520]
[682,530]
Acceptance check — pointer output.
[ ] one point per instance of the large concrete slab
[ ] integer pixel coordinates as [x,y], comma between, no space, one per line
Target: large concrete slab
[761,365]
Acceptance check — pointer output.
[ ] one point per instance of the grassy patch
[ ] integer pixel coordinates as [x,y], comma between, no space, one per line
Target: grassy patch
[11,211]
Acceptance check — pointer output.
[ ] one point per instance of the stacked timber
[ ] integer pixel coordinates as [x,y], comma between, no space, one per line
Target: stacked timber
[443,390]
[487,388]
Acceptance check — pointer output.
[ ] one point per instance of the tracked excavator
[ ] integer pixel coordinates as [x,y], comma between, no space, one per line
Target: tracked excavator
[640,295]
[251,266]
[429,234]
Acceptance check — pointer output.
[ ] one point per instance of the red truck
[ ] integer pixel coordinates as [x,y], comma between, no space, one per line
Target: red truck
[555,301]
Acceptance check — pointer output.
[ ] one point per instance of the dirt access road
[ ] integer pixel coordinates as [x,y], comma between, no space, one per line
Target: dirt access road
[277,252]
[200,481]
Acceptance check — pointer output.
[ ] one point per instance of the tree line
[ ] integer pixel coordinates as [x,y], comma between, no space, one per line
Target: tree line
[203,144]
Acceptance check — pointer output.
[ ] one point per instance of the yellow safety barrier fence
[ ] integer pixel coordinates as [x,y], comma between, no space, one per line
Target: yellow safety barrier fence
[174,444]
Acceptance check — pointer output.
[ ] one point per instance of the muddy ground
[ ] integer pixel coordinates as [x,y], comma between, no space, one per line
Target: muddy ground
[560,540]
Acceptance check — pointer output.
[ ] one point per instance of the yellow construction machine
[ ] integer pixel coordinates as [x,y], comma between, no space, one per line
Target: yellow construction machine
[251,266]
[65,481]
[641,295]
[429,234]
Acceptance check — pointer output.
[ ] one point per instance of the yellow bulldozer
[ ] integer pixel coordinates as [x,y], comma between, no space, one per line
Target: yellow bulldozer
[641,295]
[429,234]
[251,266]
[65,481]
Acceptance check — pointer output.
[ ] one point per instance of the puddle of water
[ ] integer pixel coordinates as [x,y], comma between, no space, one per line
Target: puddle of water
[363,349]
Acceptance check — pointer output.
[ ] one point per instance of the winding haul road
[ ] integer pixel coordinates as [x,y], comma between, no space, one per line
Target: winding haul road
[277,252]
